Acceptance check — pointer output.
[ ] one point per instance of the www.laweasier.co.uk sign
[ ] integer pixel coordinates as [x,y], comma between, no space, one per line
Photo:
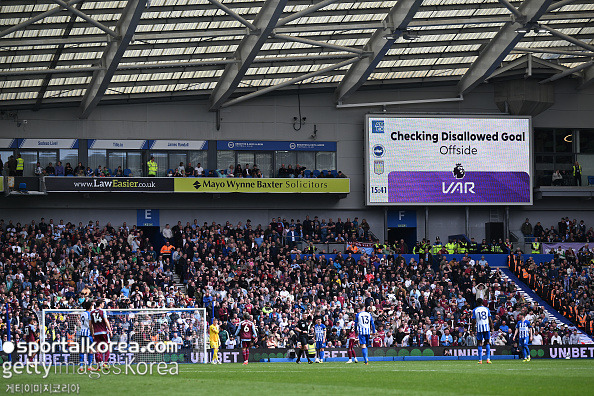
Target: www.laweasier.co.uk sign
[194,185]
[108,184]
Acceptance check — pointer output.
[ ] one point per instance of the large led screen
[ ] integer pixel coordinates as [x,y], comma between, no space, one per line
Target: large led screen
[438,160]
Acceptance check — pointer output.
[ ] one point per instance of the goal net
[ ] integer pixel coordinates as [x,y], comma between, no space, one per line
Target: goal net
[144,335]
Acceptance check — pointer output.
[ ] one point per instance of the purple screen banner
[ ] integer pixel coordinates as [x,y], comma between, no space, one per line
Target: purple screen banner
[443,187]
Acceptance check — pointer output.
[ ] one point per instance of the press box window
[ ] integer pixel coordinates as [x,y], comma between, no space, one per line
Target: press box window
[113,158]
[44,157]
[167,160]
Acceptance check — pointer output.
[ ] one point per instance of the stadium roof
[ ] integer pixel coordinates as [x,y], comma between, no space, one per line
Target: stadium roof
[85,51]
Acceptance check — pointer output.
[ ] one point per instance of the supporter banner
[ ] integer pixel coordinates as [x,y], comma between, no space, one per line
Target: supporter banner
[185,355]
[367,247]
[275,146]
[121,144]
[230,185]
[48,143]
[108,184]
[356,256]
[547,247]
[420,160]
[494,260]
[178,145]
[500,260]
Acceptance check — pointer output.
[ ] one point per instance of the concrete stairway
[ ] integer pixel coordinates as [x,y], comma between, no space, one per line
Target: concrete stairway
[531,296]
[178,283]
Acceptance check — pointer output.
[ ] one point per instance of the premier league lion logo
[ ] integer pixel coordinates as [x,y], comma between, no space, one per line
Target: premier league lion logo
[459,171]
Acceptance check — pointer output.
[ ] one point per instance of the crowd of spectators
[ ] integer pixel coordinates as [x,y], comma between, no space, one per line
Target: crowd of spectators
[79,170]
[182,170]
[568,177]
[232,269]
[248,171]
[302,172]
[291,232]
[565,283]
[566,230]
[198,171]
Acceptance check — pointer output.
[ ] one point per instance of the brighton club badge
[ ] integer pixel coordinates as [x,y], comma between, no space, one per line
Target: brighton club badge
[378,167]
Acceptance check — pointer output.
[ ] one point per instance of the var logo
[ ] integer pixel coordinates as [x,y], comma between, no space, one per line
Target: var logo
[457,187]
[377,126]
[378,150]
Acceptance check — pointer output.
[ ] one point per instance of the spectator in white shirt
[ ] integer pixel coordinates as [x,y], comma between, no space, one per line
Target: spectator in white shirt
[230,343]
[199,170]
[167,233]
[574,339]
[178,340]
[537,339]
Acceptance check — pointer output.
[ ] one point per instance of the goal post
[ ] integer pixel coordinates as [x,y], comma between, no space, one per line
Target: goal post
[145,335]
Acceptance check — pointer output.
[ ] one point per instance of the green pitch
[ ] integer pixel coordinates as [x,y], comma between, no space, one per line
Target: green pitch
[538,377]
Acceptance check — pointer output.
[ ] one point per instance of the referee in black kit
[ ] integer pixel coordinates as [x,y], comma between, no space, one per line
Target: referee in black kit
[303,328]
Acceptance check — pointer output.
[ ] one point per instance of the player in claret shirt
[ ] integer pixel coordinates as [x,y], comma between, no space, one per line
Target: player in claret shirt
[247,333]
[31,336]
[352,340]
[101,330]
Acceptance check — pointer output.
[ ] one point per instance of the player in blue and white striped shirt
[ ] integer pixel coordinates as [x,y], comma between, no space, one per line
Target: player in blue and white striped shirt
[84,335]
[365,328]
[320,336]
[481,316]
[524,334]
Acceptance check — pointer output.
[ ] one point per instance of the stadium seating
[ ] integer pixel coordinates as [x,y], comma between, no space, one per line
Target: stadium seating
[572,297]
[409,299]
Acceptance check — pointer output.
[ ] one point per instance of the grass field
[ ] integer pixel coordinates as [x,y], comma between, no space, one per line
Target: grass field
[505,377]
